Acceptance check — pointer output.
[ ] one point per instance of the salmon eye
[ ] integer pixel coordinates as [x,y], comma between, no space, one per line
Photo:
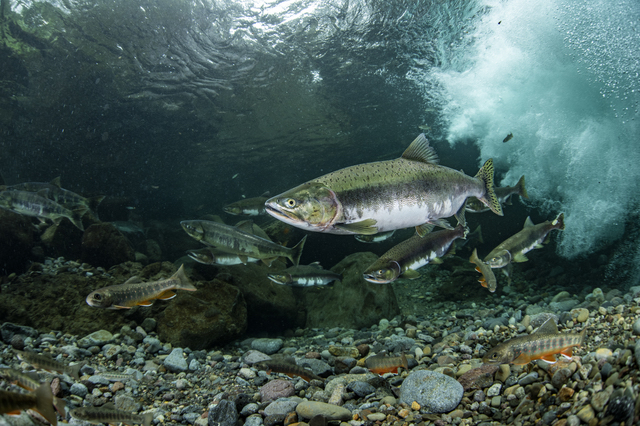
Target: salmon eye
[290,202]
[97,296]
[494,355]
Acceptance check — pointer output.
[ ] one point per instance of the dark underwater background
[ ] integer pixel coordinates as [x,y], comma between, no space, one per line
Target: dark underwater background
[174,108]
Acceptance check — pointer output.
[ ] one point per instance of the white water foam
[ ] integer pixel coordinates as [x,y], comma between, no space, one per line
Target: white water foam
[563,78]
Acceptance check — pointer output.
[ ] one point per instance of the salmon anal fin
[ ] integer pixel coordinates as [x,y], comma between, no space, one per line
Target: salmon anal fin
[551,359]
[121,307]
[567,353]
[164,296]
[145,303]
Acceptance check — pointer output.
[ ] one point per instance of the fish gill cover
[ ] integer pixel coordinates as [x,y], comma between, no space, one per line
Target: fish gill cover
[184,106]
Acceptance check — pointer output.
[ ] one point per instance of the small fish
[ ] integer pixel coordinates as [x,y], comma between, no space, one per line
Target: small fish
[488,279]
[405,258]
[55,192]
[508,138]
[241,240]
[514,248]
[248,207]
[503,193]
[544,344]
[375,238]
[130,294]
[41,401]
[109,414]
[235,176]
[45,362]
[116,377]
[37,205]
[424,127]
[289,369]
[305,276]
[25,381]
[412,190]
[211,256]
[381,364]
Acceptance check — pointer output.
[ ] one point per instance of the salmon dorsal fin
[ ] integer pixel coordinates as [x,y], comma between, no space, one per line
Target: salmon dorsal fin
[549,327]
[109,406]
[56,182]
[420,150]
[246,226]
[528,223]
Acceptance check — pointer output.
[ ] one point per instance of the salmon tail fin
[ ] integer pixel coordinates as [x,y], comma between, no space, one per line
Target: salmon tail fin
[185,283]
[147,418]
[522,191]
[405,364]
[44,398]
[76,219]
[583,334]
[296,251]
[478,234]
[489,199]
[558,222]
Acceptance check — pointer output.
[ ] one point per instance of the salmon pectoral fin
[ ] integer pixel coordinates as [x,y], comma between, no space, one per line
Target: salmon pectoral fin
[550,358]
[522,359]
[164,296]
[145,303]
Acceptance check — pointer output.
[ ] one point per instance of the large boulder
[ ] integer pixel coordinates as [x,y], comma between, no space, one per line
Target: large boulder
[213,315]
[16,241]
[103,245]
[352,302]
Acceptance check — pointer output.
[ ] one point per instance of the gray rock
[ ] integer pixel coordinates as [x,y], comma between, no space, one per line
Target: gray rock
[636,326]
[175,362]
[434,392]
[309,409]
[190,417]
[490,323]
[253,357]
[560,377]
[111,351]
[281,406]
[194,365]
[253,420]
[399,343]
[149,324]
[152,344]
[267,346]
[564,305]
[636,352]
[249,409]
[528,379]
[276,389]
[223,414]
[360,388]
[99,380]
[8,330]
[318,366]
[78,389]
[97,338]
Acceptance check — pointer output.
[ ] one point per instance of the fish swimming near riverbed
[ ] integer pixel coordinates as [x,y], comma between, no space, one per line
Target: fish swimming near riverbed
[55,192]
[45,362]
[405,258]
[544,344]
[514,248]
[109,414]
[133,293]
[36,204]
[369,198]
[241,240]
[30,383]
[381,364]
[290,369]
[304,276]
[488,279]
[213,256]
[375,238]
[41,401]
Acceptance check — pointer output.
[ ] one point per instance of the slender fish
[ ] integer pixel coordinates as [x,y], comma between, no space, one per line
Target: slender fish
[241,240]
[130,294]
[41,400]
[36,205]
[488,279]
[514,248]
[45,362]
[248,207]
[375,238]
[109,414]
[405,258]
[288,369]
[305,276]
[212,256]
[544,344]
[412,190]
[381,364]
